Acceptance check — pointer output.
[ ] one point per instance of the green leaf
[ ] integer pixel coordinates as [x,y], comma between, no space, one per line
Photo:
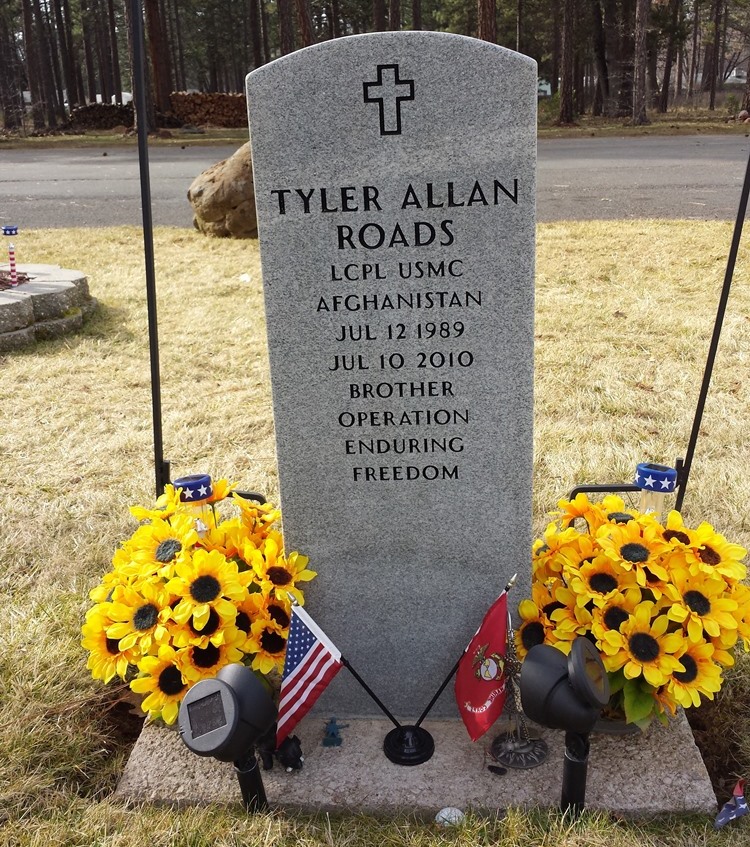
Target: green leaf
[616,681]
[639,701]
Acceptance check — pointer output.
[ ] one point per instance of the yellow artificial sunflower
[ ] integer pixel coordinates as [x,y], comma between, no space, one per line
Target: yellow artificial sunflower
[724,647]
[221,489]
[158,547]
[198,663]
[187,634]
[740,593]
[106,659]
[166,505]
[160,678]
[642,646]
[257,518]
[139,616]
[582,548]
[207,580]
[702,676]
[546,561]
[616,511]
[709,552]
[599,580]
[580,507]
[278,574]
[702,604]
[613,614]
[636,547]
[675,532]
[227,537]
[268,644]
[103,592]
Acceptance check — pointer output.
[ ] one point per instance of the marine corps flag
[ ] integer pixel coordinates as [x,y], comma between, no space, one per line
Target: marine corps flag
[480,678]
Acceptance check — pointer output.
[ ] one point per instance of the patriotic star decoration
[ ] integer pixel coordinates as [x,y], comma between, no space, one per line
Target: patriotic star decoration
[649,481]
[203,492]
[666,484]
[187,494]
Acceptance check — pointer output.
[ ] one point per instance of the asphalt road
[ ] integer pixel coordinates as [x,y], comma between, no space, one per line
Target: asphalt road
[578,179]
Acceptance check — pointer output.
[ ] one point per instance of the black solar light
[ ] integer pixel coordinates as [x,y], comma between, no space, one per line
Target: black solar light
[224,717]
[567,692]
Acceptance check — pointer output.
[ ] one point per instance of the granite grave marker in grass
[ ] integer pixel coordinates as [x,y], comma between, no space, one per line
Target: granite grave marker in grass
[395,184]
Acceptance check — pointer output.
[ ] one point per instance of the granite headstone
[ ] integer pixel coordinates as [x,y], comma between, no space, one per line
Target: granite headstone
[395,185]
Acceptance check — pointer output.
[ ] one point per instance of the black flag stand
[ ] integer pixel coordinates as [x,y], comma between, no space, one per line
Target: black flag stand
[161,467]
[714,346]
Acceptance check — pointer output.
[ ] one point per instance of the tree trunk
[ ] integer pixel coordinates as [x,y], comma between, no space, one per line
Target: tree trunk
[255,32]
[640,118]
[65,55]
[158,51]
[378,16]
[304,21]
[114,52]
[694,53]
[416,14]
[717,10]
[600,59]
[486,16]
[394,15]
[286,27]
[670,55]
[567,112]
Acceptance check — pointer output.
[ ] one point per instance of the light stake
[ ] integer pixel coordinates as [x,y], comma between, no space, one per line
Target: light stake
[567,692]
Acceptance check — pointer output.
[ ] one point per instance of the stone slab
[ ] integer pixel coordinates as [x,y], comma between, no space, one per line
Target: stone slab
[636,775]
[395,186]
[54,302]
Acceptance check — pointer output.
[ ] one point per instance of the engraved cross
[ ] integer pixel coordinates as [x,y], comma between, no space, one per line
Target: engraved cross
[388,91]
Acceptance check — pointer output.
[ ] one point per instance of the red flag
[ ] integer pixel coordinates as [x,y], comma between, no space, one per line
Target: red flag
[311,662]
[480,678]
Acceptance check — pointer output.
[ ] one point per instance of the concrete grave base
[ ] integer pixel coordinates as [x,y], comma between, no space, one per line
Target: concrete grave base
[54,302]
[658,772]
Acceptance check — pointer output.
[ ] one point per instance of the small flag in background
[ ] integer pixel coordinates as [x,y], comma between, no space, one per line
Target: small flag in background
[311,663]
[480,678]
[734,808]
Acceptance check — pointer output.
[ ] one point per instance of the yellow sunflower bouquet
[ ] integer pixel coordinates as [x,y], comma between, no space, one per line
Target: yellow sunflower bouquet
[665,604]
[192,590]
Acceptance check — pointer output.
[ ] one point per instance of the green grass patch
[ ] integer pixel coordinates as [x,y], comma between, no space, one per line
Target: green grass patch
[624,314]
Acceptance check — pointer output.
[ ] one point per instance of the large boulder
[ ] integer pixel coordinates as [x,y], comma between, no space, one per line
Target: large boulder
[223,198]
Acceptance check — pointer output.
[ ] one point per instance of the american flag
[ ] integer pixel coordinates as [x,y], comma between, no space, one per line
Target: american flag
[311,663]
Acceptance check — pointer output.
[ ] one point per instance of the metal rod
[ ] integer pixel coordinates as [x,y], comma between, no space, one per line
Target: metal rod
[161,468]
[511,583]
[714,346]
[347,664]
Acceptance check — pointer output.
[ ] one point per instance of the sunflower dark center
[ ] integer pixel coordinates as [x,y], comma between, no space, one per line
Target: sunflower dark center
[272,642]
[243,622]
[206,657]
[279,615]
[279,575]
[614,617]
[619,517]
[650,576]
[170,681]
[212,624]
[145,616]
[113,646]
[167,550]
[634,552]
[690,672]
[532,634]
[644,647]
[670,534]
[552,607]
[602,583]
[205,588]
[708,555]
[697,602]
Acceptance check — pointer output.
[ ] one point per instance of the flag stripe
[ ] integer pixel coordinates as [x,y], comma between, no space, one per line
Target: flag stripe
[302,673]
[324,676]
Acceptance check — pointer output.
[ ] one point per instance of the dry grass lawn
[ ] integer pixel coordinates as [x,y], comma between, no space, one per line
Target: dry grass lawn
[624,315]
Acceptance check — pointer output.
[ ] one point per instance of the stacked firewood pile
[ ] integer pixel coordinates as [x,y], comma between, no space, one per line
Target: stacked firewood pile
[101,116]
[227,110]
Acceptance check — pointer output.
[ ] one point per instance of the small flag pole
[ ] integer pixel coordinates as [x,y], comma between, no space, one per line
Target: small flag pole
[347,664]
[511,583]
